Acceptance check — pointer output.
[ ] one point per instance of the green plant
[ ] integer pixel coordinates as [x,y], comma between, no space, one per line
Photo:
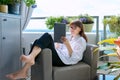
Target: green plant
[27,2]
[4,2]
[14,1]
[17,1]
[50,21]
[30,2]
[112,66]
[86,19]
[113,22]
[72,18]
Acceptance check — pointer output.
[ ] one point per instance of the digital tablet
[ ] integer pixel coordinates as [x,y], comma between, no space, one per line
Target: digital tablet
[59,31]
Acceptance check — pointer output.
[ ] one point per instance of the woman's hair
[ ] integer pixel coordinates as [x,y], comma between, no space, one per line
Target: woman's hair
[78,23]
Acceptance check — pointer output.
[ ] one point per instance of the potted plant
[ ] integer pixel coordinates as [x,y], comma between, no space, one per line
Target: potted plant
[87,21]
[30,3]
[50,21]
[4,6]
[109,51]
[14,6]
[113,22]
[110,66]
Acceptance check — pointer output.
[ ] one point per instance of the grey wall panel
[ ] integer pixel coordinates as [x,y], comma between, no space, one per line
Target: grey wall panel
[10,45]
[0,41]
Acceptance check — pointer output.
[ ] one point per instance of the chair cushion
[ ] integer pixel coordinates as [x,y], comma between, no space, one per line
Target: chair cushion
[80,71]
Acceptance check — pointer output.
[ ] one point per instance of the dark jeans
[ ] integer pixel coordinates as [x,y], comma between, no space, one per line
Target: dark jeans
[46,41]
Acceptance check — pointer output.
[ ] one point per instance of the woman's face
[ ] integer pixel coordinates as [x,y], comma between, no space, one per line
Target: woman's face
[74,30]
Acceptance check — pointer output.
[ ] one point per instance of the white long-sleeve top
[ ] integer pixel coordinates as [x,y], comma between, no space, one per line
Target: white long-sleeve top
[78,45]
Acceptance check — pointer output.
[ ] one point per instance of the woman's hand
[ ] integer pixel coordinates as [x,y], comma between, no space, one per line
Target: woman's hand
[57,45]
[66,42]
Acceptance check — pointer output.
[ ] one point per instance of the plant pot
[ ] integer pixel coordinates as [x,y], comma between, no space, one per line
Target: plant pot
[14,8]
[4,8]
[88,27]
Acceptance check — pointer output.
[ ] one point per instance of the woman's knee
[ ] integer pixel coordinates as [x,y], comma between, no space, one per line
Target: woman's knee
[47,35]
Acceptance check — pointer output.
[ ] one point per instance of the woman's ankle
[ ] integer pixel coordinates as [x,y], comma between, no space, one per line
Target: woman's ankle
[28,59]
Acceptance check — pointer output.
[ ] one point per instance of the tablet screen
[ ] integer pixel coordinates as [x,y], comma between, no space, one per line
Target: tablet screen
[59,31]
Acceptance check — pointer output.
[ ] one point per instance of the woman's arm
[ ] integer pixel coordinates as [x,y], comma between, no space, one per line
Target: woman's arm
[66,42]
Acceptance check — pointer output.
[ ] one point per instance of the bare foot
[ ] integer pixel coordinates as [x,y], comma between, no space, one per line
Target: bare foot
[17,75]
[27,59]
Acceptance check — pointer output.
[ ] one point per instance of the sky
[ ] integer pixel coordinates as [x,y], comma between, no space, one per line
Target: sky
[76,7]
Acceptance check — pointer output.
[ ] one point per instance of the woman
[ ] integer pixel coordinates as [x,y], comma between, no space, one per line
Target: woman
[67,53]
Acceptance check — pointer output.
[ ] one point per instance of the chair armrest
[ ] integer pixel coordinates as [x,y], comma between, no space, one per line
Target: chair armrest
[42,70]
[91,58]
